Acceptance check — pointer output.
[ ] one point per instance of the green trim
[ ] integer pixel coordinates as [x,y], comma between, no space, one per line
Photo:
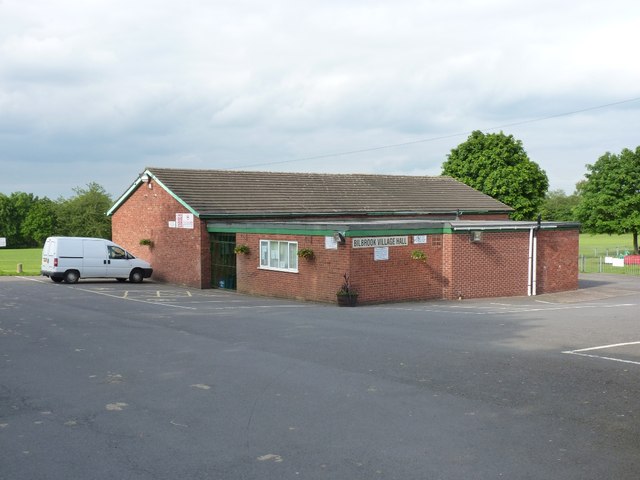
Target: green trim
[124,197]
[367,233]
[329,232]
[176,198]
[390,232]
[136,185]
[275,231]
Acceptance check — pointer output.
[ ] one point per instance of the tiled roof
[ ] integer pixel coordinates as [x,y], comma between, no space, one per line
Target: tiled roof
[223,192]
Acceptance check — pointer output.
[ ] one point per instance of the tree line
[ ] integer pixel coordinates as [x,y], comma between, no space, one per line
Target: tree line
[27,220]
[607,200]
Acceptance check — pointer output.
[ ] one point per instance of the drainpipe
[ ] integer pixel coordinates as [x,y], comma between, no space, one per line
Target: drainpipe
[530,264]
[532,288]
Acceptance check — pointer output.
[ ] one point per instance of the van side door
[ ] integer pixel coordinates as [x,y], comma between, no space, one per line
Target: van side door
[95,258]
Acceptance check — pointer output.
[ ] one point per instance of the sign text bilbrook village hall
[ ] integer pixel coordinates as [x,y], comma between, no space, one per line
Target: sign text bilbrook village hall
[371,242]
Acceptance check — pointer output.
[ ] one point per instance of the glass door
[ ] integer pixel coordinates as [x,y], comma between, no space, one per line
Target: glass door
[223,260]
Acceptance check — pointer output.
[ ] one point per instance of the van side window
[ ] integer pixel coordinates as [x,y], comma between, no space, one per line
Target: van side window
[116,252]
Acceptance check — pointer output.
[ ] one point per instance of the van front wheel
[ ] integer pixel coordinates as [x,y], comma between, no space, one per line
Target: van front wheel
[136,276]
[71,276]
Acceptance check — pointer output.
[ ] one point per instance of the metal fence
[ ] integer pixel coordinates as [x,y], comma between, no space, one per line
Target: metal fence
[608,264]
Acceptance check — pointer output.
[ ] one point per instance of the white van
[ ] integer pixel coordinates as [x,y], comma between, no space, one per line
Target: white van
[71,258]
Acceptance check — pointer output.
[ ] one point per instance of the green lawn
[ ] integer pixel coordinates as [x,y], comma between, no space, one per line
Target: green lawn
[29,258]
[602,244]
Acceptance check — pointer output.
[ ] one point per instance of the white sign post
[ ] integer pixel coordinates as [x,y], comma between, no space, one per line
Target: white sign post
[3,242]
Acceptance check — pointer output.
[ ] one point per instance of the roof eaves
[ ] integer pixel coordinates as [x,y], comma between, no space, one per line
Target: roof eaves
[136,185]
[123,198]
[170,192]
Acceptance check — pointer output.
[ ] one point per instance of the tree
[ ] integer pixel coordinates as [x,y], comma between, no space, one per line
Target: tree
[8,225]
[84,215]
[13,211]
[611,195]
[559,206]
[497,165]
[40,222]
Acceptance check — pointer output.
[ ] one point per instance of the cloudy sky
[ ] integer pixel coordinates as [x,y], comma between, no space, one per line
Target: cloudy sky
[96,90]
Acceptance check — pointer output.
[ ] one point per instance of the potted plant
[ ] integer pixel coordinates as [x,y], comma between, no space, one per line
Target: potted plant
[306,253]
[241,249]
[347,296]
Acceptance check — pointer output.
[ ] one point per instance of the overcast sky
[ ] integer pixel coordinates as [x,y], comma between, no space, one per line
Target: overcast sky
[97,90]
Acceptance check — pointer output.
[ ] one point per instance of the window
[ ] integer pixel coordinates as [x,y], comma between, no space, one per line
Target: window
[117,253]
[279,255]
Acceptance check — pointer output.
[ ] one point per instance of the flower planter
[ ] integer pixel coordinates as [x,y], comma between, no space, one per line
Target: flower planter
[347,300]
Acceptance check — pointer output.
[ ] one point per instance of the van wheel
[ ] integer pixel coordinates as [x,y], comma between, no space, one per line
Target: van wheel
[71,276]
[136,276]
[56,279]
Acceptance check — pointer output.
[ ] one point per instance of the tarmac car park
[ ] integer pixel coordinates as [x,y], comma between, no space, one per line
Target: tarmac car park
[101,379]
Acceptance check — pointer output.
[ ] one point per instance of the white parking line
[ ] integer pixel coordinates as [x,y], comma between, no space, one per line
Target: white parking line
[580,352]
[132,299]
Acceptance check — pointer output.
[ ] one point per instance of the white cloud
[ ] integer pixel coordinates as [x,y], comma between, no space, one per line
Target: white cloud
[242,82]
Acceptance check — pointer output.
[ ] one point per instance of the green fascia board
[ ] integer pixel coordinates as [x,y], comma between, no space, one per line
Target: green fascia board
[326,232]
[273,231]
[136,185]
[392,231]
[310,231]
[124,196]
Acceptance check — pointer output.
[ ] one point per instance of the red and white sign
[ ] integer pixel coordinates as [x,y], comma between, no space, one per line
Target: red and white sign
[184,220]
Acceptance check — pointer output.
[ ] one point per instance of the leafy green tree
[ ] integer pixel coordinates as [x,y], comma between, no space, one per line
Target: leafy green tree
[559,206]
[84,215]
[40,223]
[13,211]
[497,165]
[611,195]
[8,224]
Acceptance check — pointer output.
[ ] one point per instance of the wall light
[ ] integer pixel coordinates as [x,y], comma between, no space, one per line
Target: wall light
[339,237]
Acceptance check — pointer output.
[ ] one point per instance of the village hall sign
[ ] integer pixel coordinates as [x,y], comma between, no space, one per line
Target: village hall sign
[374,242]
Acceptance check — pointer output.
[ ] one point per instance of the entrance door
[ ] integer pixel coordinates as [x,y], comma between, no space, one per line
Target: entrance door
[223,260]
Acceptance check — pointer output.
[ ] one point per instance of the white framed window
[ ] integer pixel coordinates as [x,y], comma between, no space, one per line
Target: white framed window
[279,255]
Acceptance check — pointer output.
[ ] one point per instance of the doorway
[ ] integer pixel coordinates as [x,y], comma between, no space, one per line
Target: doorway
[223,260]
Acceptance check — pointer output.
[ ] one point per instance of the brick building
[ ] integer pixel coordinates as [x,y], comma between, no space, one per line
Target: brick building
[396,237]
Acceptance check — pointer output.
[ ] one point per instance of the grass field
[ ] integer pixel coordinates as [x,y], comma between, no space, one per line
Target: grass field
[28,257]
[602,244]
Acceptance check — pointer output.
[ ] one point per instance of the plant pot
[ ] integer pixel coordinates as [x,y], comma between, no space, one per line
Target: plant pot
[347,300]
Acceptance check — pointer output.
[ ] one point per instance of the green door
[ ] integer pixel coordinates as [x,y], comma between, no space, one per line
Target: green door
[223,260]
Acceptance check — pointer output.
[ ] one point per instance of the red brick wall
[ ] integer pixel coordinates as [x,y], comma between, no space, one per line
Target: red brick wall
[397,279]
[317,279]
[178,255]
[557,267]
[497,266]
